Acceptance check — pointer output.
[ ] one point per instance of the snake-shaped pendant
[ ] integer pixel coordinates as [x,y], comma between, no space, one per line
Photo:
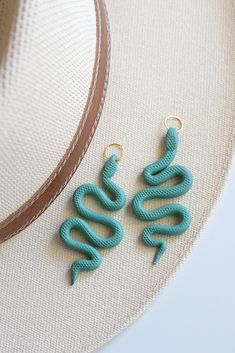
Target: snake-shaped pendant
[156,174]
[114,202]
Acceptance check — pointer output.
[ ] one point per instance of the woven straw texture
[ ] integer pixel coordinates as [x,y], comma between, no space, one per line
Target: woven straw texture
[168,57]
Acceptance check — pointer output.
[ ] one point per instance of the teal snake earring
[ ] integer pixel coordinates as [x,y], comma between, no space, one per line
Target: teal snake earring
[113,201]
[155,175]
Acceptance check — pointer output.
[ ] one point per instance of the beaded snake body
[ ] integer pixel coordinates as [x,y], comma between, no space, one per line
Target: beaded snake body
[156,174]
[114,203]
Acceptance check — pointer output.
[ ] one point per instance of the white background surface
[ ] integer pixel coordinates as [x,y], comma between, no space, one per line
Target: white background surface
[196,311]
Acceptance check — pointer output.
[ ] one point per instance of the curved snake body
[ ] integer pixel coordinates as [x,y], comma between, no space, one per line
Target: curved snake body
[114,202]
[155,175]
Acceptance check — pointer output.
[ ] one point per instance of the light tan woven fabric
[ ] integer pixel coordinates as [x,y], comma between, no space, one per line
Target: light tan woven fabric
[168,57]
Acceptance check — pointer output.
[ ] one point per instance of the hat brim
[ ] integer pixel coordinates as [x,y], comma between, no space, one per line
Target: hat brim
[167,58]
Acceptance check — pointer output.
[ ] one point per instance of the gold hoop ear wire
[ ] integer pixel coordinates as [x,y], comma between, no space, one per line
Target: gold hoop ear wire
[171,118]
[117,146]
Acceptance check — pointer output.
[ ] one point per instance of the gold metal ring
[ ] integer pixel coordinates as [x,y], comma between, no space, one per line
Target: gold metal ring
[173,118]
[117,146]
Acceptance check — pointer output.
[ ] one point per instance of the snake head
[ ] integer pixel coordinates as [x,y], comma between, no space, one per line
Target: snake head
[171,139]
[110,166]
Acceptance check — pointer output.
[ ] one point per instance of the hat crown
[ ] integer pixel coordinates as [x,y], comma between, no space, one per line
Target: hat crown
[47,52]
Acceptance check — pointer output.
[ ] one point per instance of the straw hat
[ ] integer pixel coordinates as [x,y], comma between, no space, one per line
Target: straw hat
[168,57]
